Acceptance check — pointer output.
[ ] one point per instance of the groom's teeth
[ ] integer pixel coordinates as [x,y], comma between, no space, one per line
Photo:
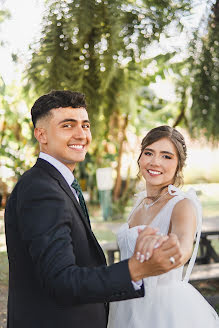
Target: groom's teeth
[76,146]
[154,172]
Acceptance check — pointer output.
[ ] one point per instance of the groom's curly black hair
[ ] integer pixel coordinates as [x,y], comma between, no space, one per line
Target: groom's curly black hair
[56,99]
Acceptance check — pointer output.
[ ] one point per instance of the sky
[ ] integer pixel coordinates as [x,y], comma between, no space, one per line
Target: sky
[18,32]
[24,26]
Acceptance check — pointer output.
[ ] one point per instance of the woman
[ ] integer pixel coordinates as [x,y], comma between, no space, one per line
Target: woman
[169,301]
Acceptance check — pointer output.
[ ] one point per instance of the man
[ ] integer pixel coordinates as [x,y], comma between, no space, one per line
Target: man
[58,275]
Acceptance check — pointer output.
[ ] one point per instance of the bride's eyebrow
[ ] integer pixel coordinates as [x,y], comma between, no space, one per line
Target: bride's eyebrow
[166,152]
[162,151]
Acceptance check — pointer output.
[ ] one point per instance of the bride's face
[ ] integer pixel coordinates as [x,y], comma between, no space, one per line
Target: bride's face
[158,163]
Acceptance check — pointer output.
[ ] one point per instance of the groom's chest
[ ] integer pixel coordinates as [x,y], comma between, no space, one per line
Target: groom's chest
[85,246]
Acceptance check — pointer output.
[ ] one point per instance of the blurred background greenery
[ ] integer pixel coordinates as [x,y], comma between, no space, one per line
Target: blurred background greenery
[141,63]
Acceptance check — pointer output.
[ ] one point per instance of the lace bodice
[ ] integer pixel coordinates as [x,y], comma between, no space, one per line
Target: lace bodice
[126,236]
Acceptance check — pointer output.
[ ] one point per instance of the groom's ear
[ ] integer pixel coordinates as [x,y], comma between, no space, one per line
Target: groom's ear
[40,135]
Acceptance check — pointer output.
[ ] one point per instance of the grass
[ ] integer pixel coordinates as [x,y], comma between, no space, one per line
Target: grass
[208,194]
[215,244]
[104,235]
[3,269]
[210,208]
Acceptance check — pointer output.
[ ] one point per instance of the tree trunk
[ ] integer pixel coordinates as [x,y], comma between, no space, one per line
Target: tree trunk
[122,137]
[181,115]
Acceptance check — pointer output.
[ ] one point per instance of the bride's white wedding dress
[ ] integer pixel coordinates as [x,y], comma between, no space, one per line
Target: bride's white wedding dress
[169,301]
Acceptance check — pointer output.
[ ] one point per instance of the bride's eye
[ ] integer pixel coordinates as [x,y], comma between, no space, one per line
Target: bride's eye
[148,153]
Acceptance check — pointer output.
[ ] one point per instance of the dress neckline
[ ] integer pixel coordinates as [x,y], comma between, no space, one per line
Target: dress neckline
[154,218]
[173,191]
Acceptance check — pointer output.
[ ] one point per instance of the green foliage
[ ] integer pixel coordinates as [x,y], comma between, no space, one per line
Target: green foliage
[17,147]
[205,82]
[4,15]
[197,78]
[15,133]
[99,48]
[95,47]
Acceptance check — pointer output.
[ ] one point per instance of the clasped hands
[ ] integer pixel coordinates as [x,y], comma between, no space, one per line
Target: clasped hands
[154,254]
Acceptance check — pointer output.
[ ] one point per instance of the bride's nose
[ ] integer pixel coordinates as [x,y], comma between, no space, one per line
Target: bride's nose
[155,160]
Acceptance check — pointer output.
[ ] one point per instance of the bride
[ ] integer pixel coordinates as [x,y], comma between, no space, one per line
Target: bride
[169,301]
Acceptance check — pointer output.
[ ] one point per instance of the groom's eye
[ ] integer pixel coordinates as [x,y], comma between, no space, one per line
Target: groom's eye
[86,126]
[69,125]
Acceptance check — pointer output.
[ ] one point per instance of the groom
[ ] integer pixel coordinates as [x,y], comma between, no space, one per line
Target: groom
[57,271]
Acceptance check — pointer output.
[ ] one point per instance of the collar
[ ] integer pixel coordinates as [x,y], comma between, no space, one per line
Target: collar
[64,170]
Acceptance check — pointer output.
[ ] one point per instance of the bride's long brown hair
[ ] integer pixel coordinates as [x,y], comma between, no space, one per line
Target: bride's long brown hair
[165,131]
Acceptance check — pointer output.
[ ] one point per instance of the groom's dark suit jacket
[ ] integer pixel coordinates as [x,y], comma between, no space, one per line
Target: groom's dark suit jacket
[57,271]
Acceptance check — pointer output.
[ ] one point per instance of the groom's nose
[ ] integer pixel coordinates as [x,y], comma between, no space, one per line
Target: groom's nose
[79,132]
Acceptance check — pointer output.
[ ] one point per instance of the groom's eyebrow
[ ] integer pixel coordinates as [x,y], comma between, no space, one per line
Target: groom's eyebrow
[72,120]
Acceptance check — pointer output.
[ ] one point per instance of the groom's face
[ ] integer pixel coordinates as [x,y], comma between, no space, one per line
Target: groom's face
[66,135]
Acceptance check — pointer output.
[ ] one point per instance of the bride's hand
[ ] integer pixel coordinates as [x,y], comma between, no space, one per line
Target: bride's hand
[147,245]
[162,257]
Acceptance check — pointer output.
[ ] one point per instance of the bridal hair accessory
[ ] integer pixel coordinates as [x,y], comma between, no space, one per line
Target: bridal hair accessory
[172,260]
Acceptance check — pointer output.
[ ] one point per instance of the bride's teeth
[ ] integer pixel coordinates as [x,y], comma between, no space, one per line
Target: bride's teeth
[153,172]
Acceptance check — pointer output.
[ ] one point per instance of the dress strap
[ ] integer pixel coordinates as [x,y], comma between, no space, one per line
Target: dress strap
[191,194]
[193,258]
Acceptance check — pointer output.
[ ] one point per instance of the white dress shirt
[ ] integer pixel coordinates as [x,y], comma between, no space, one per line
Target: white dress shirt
[62,168]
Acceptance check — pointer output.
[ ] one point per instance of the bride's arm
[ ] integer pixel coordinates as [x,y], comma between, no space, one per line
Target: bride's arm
[183,224]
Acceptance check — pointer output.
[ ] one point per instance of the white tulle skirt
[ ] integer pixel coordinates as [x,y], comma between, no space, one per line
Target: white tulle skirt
[174,305]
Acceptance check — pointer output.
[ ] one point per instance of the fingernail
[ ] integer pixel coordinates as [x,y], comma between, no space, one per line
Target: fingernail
[142,259]
[156,245]
[138,254]
[147,256]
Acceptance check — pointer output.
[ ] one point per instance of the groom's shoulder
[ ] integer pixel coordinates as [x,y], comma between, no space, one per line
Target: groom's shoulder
[33,175]
[34,171]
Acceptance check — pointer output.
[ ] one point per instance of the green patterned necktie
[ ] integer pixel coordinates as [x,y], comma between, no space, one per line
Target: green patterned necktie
[77,188]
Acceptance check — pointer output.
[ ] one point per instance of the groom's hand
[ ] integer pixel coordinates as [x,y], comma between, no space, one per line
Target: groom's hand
[165,258]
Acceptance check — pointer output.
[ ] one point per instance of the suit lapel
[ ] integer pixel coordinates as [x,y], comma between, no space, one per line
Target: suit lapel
[52,171]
